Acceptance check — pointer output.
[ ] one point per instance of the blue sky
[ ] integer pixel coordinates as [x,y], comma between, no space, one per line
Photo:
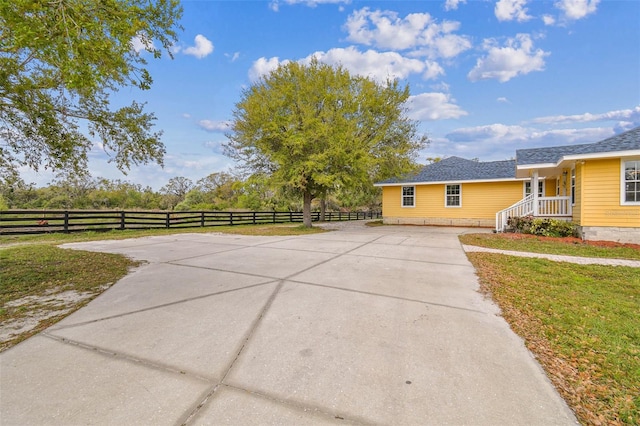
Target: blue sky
[486,77]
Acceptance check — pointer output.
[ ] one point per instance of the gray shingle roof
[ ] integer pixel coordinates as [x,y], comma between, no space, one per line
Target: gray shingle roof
[459,169]
[627,141]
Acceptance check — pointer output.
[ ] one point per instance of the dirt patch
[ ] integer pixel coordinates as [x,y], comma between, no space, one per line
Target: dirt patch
[33,311]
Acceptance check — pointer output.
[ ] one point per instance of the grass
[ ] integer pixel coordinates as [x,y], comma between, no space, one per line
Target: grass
[40,283]
[61,238]
[581,322]
[33,275]
[561,246]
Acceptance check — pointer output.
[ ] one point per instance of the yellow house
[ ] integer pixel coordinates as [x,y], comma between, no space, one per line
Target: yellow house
[597,186]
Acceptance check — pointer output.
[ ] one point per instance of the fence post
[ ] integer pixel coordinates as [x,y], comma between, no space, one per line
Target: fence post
[202,219]
[274,217]
[122,220]
[254,217]
[66,221]
[231,218]
[168,220]
[290,216]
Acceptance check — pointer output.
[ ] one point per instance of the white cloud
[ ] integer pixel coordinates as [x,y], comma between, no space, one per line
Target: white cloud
[186,115]
[379,66]
[577,9]
[624,115]
[232,56]
[500,141]
[433,106]
[386,30]
[548,19]
[214,126]
[453,4]
[508,10]
[503,100]
[141,42]
[433,70]
[202,48]
[264,66]
[517,57]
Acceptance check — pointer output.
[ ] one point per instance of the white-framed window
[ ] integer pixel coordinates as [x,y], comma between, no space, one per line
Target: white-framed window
[630,184]
[453,195]
[408,196]
[527,188]
[573,186]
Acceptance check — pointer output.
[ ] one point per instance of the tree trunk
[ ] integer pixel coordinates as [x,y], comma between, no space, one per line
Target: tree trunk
[323,209]
[306,209]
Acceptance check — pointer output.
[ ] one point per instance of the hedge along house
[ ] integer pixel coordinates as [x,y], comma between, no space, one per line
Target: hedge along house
[597,186]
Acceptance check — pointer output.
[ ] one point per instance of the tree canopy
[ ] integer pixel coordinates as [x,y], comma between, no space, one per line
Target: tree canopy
[314,129]
[60,60]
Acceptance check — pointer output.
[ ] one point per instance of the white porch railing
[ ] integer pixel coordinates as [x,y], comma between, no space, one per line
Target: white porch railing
[554,206]
[547,207]
[523,207]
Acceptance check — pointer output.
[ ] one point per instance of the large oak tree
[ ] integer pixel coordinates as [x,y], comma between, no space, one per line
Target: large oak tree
[60,60]
[316,128]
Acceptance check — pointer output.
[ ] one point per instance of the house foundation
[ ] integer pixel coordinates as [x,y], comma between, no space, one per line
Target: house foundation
[440,221]
[610,233]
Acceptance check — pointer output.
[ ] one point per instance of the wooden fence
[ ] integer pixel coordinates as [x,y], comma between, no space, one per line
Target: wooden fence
[13,222]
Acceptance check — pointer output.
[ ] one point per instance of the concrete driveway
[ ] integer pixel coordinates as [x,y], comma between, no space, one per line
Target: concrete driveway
[357,326]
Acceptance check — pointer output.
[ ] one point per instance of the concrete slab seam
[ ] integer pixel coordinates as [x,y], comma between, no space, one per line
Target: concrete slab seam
[124,357]
[191,414]
[164,305]
[305,408]
[466,264]
[388,296]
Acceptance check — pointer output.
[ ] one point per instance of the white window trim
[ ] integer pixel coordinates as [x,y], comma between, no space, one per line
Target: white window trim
[459,196]
[402,196]
[572,185]
[541,182]
[623,202]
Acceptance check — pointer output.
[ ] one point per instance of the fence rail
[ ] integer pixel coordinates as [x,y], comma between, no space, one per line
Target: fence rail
[15,222]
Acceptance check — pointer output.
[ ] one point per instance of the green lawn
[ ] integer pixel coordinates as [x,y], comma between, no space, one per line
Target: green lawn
[566,246]
[581,321]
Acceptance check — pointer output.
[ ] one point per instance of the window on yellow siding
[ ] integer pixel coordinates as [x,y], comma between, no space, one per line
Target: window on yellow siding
[453,195]
[408,196]
[632,182]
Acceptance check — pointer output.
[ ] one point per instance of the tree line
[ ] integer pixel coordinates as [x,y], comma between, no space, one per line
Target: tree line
[218,191]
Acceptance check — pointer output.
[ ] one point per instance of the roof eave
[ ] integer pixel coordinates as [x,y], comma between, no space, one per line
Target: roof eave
[447,182]
[578,157]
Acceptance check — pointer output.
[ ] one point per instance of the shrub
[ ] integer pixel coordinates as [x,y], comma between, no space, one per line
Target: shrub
[544,227]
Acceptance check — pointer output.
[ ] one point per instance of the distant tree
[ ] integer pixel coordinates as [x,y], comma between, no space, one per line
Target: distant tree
[72,189]
[59,63]
[220,190]
[175,190]
[15,191]
[431,160]
[315,128]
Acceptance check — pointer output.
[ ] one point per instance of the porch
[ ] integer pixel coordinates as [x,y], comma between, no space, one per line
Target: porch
[536,206]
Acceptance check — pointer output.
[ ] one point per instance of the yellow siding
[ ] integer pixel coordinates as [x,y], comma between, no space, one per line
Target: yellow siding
[550,188]
[479,201]
[577,206]
[600,190]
